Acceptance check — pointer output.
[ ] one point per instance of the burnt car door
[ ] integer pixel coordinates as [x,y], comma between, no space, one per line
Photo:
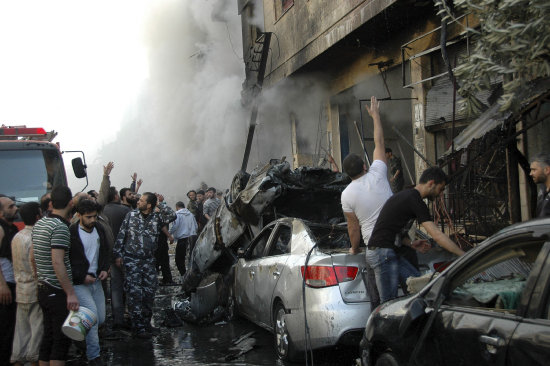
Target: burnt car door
[480,304]
[270,268]
[246,270]
[530,343]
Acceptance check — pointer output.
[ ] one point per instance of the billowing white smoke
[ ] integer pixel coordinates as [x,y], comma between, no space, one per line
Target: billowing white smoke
[187,124]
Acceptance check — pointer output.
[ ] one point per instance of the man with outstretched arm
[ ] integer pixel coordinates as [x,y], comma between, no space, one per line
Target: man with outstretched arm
[366,194]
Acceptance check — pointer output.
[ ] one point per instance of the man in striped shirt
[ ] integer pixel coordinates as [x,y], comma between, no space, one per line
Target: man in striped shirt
[56,295]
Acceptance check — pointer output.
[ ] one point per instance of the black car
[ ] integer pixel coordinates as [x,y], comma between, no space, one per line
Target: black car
[490,307]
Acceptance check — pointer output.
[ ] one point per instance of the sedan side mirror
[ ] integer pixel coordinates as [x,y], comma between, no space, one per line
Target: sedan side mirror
[415,312]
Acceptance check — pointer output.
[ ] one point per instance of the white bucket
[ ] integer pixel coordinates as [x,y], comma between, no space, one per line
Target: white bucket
[78,323]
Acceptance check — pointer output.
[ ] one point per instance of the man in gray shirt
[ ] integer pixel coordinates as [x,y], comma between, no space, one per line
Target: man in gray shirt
[211,204]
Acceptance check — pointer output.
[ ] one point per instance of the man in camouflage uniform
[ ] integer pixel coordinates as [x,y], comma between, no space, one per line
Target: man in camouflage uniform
[396,172]
[135,249]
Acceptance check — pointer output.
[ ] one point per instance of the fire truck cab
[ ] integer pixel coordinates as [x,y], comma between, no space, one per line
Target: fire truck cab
[30,164]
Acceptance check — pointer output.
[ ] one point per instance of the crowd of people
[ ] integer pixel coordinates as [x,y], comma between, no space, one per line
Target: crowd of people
[70,246]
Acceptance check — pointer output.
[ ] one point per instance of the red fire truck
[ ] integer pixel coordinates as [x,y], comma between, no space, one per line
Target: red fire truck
[30,164]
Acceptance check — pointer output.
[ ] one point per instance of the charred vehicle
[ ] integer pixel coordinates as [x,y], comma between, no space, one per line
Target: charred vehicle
[268,193]
[298,280]
[490,307]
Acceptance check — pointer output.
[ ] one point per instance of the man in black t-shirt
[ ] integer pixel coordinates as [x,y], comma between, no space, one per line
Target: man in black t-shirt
[388,267]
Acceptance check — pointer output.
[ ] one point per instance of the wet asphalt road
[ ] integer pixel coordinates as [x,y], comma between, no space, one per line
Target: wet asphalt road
[192,344]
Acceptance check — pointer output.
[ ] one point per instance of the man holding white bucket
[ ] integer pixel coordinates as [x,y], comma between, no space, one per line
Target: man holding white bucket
[90,265]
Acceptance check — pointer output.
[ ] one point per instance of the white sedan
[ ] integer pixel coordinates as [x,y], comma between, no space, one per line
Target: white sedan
[272,283]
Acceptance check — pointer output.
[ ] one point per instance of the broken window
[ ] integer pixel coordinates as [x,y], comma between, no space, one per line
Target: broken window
[281,241]
[496,279]
[259,245]
[332,238]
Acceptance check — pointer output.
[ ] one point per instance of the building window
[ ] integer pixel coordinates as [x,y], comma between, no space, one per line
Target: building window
[282,6]
[286,4]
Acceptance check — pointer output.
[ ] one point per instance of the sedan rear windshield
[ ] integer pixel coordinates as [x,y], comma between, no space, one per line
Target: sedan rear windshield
[331,237]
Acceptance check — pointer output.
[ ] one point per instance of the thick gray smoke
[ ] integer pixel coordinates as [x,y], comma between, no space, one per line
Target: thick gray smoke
[299,99]
[187,124]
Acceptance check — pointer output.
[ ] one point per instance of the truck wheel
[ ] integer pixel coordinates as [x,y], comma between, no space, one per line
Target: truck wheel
[387,359]
[283,344]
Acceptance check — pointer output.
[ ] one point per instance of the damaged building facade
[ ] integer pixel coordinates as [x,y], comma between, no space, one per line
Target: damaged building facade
[312,65]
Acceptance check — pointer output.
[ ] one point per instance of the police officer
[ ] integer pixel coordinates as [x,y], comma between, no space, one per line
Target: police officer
[135,250]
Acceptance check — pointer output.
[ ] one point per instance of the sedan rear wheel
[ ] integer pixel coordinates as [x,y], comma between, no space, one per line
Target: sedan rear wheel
[283,344]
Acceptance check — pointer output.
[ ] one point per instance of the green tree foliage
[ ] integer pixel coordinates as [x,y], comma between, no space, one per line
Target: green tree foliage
[512,42]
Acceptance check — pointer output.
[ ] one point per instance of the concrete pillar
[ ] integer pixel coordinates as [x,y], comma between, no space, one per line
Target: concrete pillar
[333,134]
[422,140]
[298,157]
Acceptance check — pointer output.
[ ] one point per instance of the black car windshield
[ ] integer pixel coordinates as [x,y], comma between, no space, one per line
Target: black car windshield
[29,174]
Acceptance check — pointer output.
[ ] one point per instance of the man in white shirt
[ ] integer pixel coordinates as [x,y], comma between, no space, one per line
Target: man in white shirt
[366,194]
[90,265]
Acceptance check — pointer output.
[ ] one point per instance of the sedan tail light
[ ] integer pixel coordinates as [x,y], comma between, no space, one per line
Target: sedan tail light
[325,276]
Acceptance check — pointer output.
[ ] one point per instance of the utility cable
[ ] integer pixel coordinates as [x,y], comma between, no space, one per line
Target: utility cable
[306,325]
[231,43]
[278,45]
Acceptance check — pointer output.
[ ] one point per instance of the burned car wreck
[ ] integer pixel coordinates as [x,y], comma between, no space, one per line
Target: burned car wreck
[270,192]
